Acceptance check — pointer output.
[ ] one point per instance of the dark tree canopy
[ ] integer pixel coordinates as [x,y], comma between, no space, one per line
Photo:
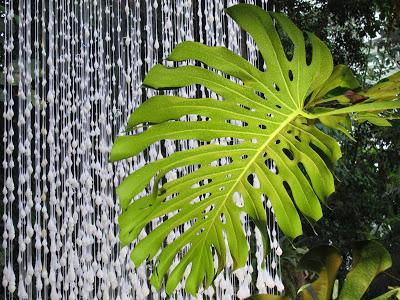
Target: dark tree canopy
[352,29]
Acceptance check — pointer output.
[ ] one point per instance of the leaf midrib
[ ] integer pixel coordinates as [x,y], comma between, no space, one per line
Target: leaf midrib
[289,119]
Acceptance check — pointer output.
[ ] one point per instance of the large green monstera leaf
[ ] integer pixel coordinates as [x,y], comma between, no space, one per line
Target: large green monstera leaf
[266,114]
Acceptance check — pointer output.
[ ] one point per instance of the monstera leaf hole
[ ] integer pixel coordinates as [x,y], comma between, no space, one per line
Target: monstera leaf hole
[258,140]
[287,43]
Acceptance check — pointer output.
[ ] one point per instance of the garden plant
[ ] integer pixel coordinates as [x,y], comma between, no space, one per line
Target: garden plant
[272,116]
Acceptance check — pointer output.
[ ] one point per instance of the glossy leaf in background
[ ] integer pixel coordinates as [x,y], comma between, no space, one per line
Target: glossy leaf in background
[325,261]
[369,259]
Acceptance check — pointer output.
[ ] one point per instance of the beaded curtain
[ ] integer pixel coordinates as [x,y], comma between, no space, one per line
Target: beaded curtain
[72,75]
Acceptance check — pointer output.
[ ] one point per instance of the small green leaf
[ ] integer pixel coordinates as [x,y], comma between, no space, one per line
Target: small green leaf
[361,107]
[394,292]
[335,291]
[338,122]
[341,80]
[385,90]
[372,118]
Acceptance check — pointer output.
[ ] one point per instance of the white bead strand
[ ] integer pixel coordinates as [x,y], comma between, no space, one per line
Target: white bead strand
[9,276]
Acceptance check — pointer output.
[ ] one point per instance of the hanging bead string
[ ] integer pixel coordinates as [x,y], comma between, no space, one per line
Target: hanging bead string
[124,266]
[73,138]
[59,203]
[37,153]
[64,151]
[42,279]
[127,288]
[62,282]
[24,192]
[94,89]
[8,280]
